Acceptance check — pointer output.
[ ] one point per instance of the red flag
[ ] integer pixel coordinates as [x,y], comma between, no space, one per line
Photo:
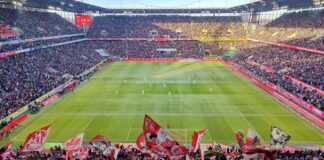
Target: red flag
[73,145]
[202,151]
[111,152]
[140,142]
[36,140]
[83,153]
[157,139]
[100,142]
[179,150]
[5,151]
[196,137]
[252,138]
[239,137]
[153,130]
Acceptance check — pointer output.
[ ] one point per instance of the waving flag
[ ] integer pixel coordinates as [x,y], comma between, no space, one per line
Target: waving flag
[252,138]
[73,145]
[140,142]
[111,152]
[239,136]
[100,142]
[251,149]
[141,146]
[159,141]
[278,138]
[179,150]
[196,137]
[6,151]
[35,141]
[84,153]
[154,130]
[202,151]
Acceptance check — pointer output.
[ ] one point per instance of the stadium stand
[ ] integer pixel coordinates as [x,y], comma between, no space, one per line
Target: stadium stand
[34,24]
[303,28]
[131,152]
[172,26]
[25,77]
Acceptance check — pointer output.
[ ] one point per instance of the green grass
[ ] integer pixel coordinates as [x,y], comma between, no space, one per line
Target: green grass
[234,104]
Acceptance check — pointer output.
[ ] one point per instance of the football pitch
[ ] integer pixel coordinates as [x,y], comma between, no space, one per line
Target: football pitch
[188,96]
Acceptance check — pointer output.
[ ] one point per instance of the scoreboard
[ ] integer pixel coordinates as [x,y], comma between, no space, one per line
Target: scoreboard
[82,20]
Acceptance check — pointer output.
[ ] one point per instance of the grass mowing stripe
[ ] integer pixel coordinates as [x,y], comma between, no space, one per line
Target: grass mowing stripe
[233,104]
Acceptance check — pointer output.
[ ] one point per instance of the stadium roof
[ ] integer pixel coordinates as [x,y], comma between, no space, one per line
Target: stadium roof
[80,7]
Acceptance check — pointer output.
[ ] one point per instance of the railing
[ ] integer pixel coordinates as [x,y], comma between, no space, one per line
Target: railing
[18,41]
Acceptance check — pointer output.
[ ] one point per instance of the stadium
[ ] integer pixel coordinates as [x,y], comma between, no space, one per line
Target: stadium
[161,80]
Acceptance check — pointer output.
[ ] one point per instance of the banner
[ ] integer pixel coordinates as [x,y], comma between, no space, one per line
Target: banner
[36,140]
[6,54]
[14,122]
[73,145]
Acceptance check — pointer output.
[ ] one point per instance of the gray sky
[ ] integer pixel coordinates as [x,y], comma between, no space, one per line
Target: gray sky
[166,3]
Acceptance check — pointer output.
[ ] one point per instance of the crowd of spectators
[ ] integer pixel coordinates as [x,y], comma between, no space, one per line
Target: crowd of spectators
[25,77]
[128,152]
[151,49]
[303,66]
[34,24]
[161,26]
[302,28]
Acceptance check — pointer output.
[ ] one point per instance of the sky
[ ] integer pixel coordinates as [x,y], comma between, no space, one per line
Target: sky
[166,3]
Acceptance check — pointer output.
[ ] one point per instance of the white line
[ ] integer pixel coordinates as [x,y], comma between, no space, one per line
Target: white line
[86,126]
[186,135]
[252,126]
[214,114]
[129,132]
[209,135]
